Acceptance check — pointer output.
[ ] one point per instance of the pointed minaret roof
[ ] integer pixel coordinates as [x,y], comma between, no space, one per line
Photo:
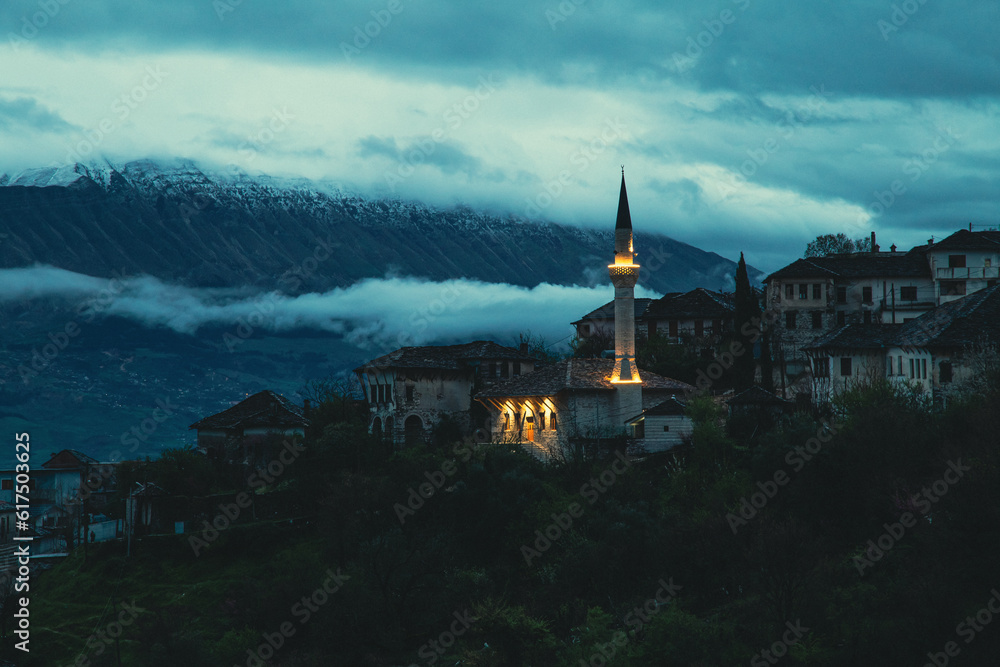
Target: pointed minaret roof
[624,218]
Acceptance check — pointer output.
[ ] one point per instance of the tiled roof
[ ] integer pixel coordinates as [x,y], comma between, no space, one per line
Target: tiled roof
[607,311]
[958,323]
[444,356]
[857,336]
[698,303]
[857,265]
[80,456]
[575,374]
[264,408]
[966,240]
[757,395]
[669,407]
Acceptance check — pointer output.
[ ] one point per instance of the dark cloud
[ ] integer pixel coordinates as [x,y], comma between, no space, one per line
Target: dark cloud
[26,112]
[862,47]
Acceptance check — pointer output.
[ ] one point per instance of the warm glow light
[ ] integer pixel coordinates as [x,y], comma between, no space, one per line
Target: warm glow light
[614,381]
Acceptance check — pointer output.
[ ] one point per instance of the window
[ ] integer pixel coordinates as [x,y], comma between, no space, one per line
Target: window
[409,392]
[956,261]
[908,293]
[866,294]
[517,368]
[817,291]
[923,369]
[944,375]
[952,288]
[541,421]
[817,320]
[803,291]
[651,328]
[790,320]
[841,318]
[900,364]
[987,263]
[841,295]
[867,317]
[845,366]
[504,369]
[717,326]
[493,367]
[552,421]
[699,328]
[888,364]
[639,429]
[585,329]
[666,427]
[821,367]
[673,328]
[789,291]
[911,369]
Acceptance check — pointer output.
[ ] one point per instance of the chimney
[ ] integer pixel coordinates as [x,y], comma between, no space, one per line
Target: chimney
[874,245]
[930,241]
[524,349]
[305,407]
[892,248]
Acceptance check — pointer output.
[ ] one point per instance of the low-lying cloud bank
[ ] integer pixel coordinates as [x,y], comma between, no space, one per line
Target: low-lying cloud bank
[382,313]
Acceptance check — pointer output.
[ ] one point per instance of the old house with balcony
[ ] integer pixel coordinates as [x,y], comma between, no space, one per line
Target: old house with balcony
[964,263]
[813,296]
[935,352]
[412,389]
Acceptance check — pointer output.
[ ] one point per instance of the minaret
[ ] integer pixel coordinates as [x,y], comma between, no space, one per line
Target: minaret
[624,274]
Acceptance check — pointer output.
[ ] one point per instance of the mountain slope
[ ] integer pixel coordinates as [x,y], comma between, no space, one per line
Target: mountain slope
[181,224]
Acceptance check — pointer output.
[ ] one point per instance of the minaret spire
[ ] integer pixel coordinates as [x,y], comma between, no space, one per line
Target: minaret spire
[624,274]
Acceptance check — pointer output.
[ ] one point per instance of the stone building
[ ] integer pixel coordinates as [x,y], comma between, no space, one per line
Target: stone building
[412,389]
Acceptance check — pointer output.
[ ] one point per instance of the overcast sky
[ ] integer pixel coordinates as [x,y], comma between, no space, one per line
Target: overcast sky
[743,124]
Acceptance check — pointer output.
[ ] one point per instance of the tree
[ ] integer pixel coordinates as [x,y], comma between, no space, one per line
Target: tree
[834,244]
[747,319]
[537,348]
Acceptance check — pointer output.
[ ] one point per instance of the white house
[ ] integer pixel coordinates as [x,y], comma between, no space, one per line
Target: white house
[936,352]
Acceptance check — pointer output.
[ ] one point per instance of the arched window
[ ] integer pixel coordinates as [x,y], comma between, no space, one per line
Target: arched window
[413,429]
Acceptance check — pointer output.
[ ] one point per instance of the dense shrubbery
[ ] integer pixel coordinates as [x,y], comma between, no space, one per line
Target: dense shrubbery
[798,554]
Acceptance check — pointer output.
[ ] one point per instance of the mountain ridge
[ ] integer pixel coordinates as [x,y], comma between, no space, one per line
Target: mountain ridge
[180,223]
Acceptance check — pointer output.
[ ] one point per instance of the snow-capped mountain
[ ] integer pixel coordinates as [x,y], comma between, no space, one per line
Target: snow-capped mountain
[177,222]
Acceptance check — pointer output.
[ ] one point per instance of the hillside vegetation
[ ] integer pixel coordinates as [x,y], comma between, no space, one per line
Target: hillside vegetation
[870,540]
